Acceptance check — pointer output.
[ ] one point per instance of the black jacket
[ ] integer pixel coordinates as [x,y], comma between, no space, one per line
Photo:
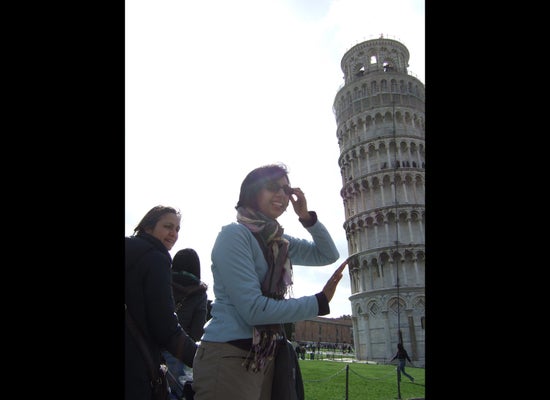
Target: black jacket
[148,297]
[401,354]
[190,292]
[193,310]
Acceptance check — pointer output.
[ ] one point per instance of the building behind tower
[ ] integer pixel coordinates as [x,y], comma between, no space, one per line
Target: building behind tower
[379,114]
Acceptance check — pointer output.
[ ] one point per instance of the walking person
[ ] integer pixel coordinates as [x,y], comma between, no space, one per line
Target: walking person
[191,307]
[402,357]
[149,300]
[252,264]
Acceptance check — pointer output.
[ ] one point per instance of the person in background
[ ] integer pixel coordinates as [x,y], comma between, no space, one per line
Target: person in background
[252,264]
[402,357]
[149,300]
[191,306]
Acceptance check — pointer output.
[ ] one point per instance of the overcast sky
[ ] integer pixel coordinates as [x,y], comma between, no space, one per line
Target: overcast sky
[216,88]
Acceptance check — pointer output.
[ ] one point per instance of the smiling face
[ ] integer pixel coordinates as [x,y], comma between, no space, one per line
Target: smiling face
[167,229]
[272,200]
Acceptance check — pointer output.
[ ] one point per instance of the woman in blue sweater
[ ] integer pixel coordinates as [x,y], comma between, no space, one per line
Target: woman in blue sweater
[252,263]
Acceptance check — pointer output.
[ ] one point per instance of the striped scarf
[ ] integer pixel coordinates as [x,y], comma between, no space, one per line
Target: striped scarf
[276,284]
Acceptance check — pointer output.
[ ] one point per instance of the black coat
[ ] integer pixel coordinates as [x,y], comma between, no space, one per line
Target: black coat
[148,297]
[191,293]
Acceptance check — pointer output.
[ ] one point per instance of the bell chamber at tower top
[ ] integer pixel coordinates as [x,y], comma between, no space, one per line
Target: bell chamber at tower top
[377,56]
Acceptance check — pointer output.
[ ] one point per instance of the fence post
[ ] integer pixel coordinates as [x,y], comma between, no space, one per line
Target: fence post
[347,380]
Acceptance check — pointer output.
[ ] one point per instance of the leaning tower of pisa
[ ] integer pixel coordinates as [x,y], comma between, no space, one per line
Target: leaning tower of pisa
[379,113]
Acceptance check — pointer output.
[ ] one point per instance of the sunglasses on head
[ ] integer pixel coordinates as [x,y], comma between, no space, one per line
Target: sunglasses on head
[275,187]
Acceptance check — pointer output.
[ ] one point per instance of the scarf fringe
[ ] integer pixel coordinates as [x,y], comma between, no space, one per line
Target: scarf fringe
[263,349]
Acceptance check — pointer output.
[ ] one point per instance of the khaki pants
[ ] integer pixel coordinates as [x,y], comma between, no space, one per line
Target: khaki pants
[219,375]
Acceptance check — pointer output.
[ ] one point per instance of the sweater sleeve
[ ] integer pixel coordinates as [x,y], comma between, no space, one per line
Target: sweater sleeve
[324,307]
[182,347]
[319,251]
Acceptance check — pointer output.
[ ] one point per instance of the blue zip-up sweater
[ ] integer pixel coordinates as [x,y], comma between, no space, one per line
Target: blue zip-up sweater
[239,267]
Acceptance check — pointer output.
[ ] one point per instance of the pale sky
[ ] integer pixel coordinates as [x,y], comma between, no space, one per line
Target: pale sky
[216,88]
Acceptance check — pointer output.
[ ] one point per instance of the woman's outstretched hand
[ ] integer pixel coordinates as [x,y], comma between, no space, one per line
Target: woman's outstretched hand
[330,286]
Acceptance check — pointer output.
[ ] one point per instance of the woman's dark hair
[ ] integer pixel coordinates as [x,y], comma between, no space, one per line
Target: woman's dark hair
[255,181]
[187,260]
[152,217]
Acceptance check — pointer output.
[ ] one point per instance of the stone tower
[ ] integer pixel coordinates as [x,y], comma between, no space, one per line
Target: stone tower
[380,129]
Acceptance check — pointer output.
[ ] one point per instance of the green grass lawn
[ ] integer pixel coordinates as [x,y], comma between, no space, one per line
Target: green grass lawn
[326,380]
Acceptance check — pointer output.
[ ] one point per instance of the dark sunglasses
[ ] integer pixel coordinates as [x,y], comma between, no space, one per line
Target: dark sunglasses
[275,187]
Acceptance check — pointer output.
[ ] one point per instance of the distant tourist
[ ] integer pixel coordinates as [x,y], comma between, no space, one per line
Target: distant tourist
[402,357]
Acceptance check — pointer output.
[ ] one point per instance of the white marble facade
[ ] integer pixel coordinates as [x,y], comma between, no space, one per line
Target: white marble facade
[379,113]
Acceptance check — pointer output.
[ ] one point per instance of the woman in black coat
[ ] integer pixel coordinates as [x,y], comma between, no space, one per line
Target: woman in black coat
[191,304]
[189,292]
[149,300]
